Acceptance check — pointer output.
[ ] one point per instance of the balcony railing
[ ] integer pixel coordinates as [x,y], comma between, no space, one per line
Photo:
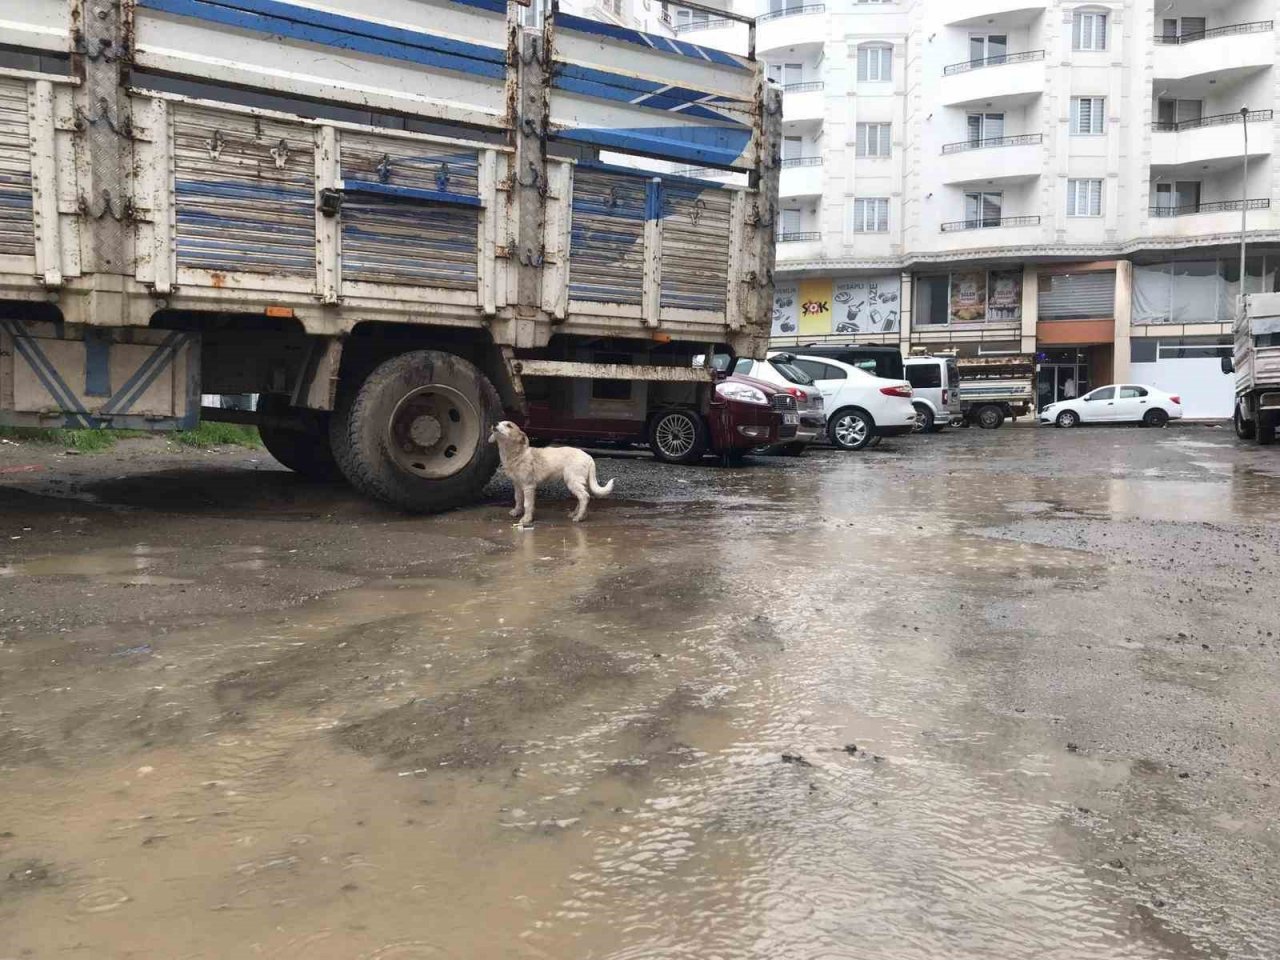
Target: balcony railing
[1218,119]
[1216,206]
[982,223]
[1231,30]
[789,162]
[688,26]
[1018,141]
[701,173]
[792,12]
[806,87]
[799,237]
[966,66]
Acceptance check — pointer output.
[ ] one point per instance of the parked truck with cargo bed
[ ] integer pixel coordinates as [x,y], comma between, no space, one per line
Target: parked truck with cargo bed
[392,221]
[996,388]
[1255,361]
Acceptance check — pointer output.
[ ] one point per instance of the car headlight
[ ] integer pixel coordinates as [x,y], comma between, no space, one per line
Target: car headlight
[742,392]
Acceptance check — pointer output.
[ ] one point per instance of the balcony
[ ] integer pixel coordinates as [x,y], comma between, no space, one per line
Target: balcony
[1219,218]
[989,223]
[1219,137]
[1234,47]
[799,245]
[962,13]
[718,32]
[1019,159]
[794,26]
[803,236]
[1019,77]
[1216,206]
[803,102]
[800,177]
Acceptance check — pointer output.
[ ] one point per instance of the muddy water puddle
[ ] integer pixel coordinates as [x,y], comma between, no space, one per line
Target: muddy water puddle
[676,731]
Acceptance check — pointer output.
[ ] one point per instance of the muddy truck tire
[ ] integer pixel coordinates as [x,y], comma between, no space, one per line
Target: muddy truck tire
[302,443]
[415,433]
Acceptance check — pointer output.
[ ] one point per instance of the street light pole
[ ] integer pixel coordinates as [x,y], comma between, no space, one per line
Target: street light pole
[1244,201]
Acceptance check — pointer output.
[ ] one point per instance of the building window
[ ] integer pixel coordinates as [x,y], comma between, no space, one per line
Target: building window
[873,139]
[1077,296]
[786,74]
[789,225]
[1089,31]
[871,215]
[875,63]
[1087,116]
[988,47]
[985,126]
[983,209]
[969,297]
[1171,111]
[1084,198]
[792,148]
[1200,291]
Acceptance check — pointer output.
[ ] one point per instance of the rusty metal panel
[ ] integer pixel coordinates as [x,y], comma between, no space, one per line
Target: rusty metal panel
[17,219]
[244,190]
[606,253]
[410,212]
[85,377]
[613,371]
[696,226]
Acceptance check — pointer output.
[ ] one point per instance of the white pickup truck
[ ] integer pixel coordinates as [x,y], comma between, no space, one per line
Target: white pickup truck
[1255,361]
[391,220]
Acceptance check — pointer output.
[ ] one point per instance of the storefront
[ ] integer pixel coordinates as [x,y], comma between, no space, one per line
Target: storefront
[844,306]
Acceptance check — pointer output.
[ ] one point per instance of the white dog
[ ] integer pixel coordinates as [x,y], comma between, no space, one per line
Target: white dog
[527,467]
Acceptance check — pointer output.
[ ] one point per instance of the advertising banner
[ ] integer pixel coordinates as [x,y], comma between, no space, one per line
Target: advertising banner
[815,305]
[968,296]
[1004,301]
[786,310]
[867,304]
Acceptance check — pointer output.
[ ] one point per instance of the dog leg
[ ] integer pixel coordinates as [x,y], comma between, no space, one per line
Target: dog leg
[530,492]
[579,489]
[519,507]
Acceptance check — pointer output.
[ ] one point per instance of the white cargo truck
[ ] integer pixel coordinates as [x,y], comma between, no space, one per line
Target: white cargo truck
[1255,361]
[391,221]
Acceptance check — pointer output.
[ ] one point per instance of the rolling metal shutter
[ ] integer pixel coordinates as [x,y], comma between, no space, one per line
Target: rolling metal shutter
[17,224]
[1076,296]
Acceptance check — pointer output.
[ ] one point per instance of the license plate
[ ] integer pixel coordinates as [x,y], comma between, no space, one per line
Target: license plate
[791,419]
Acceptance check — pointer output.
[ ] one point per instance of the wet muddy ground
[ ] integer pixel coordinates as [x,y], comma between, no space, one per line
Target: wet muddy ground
[1005,694]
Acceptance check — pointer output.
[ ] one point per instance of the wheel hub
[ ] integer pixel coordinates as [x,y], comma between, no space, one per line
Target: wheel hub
[426,431]
[433,431]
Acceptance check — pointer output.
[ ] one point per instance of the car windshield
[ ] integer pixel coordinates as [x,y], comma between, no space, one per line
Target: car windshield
[792,372]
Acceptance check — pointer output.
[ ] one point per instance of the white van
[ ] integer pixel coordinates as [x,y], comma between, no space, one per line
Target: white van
[935,382]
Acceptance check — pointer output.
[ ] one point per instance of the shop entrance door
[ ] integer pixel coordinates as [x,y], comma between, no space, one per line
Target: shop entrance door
[1061,381]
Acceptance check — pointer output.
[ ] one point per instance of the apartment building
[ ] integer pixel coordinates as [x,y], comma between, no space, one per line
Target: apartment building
[986,176]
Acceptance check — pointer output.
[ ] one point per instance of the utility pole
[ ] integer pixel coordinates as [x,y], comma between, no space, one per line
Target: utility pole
[1244,201]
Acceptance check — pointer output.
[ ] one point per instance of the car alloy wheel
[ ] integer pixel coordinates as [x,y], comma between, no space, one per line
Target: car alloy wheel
[1068,418]
[851,430]
[674,435]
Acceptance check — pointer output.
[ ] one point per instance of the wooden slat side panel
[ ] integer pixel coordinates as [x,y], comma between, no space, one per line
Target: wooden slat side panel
[696,227]
[244,193]
[606,258]
[411,242]
[17,220]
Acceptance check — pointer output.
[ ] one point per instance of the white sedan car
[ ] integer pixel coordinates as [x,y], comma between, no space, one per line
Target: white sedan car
[860,407]
[1118,403]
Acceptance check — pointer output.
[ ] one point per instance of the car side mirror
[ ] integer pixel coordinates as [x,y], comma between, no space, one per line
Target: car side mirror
[1228,365]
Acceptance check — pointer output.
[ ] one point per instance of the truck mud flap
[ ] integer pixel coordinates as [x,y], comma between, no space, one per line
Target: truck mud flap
[56,375]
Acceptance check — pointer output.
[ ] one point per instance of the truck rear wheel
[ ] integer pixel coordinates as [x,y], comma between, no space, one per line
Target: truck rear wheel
[302,444]
[1265,429]
[989,417]
[415,432]
[1244,428]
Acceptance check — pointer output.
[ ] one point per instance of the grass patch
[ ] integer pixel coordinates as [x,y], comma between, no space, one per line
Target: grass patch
[213,434]
[87,441]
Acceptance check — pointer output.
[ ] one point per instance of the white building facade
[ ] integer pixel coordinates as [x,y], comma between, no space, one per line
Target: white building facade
[987,176]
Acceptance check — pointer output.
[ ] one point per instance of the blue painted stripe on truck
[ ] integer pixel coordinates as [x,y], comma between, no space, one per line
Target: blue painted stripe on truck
[651,101]
[97,364]
[651,40]
[642,89]
[413,194]
[248,191]
[346,33]
[714,146]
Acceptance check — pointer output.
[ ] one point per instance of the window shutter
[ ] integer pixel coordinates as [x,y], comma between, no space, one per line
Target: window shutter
[862,63]
[1077,295]
[1100,32]
[1077,22]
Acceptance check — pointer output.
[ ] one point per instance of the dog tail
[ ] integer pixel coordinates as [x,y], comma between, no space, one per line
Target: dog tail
[594,485]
